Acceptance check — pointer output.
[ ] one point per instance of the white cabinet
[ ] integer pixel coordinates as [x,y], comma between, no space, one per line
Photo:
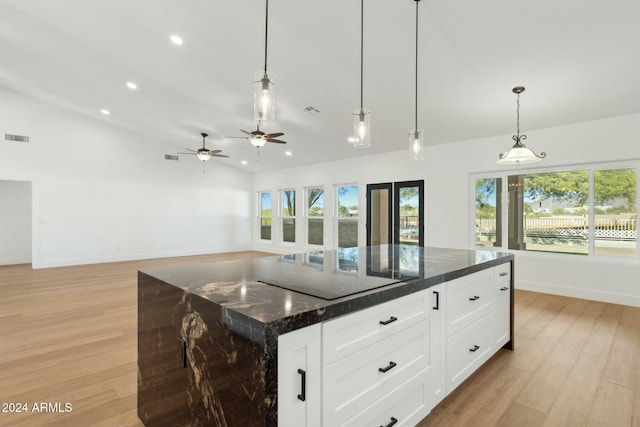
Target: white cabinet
[299,377]
[392,363]
[501,300]
[379,364]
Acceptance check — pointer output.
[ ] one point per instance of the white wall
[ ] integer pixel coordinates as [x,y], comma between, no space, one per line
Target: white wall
[15,222]
[446,171]
[101,193]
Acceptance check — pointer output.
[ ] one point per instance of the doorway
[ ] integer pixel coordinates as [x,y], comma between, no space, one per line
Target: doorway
[15,222]
[395,213]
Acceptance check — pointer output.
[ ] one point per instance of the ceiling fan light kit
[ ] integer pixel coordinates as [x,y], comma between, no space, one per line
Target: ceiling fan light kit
[519,153]
[204,153]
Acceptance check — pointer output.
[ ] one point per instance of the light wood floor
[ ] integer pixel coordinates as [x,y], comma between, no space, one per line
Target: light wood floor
[69,335]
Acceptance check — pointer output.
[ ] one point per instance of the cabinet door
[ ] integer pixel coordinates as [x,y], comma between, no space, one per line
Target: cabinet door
[437,370]
[299,376]
[502,305]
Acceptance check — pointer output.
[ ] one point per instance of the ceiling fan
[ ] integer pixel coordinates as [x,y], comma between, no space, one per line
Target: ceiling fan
[258,138]
[203,153]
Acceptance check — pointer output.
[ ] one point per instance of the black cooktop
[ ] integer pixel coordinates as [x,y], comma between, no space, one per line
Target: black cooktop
[330,274]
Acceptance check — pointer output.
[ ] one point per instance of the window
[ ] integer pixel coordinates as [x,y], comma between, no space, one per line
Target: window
[578,211]
[488,208]
[548,211]
[315,216]
[615,225]
[288,200]
[347,214]
[265,215]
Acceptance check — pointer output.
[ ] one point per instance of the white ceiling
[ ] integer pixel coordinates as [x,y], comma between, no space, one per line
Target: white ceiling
[578,60]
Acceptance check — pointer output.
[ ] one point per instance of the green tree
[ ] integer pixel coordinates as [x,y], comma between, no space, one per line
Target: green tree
[567,186]
[484,188]
[615,184]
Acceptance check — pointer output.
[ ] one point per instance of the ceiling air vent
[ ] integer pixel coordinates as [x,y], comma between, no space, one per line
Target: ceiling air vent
[170,157]
[18,138]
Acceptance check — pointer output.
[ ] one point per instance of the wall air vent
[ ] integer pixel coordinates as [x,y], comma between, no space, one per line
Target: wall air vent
[18,138]
[170,157]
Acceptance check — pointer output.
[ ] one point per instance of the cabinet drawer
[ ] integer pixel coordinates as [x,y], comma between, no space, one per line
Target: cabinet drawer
[347,334]
[467,350]
[406,404]
[468,299]
[502,273]
[355,382]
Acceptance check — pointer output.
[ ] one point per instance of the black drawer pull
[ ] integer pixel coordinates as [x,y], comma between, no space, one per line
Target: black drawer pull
[437,306]
[391,320]
[303,385]
[388,367]
[504,274]
[474,298]
[392,422]
[183,352]
[474,349]
[504,288]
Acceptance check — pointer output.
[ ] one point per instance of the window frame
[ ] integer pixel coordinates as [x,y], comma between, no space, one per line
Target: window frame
[282,216]
[307,217]
[261,217]
[339,219]
[590,168]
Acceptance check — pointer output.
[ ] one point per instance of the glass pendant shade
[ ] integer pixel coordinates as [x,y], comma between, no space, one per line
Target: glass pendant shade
[264,99]
[416,144]
[362,128]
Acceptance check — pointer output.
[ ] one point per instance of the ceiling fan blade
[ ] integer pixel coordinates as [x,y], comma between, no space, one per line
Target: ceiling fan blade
[187,153]
[215,151]
[219,155]
[189,149]
[273,135]
[277,141]
[244,131]
[236,137]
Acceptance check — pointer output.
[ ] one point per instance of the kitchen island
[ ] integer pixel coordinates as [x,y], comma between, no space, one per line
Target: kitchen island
[250,342]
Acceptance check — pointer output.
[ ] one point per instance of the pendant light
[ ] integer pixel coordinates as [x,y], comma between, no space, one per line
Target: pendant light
[264,100]
[416,136]
[519,153]
[361,117]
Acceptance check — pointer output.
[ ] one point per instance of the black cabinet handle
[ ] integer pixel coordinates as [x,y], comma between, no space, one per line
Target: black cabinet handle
[474,298]
[504,274]
[388,367]
[183,351]
[391,320]
[392,422]
[303,385]
[504,288]
[437,306]
[474,349]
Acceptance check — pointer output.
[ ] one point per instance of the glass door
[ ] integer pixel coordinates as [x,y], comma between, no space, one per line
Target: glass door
[379,214]
[408,206]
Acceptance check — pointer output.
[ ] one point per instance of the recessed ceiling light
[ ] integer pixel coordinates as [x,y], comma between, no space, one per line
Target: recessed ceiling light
[288,153]
[351,139]
[244,162]
[132,85]
[177,40]
[105,111]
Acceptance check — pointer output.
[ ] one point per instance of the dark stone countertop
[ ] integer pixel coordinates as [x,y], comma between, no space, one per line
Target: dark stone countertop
[367,276]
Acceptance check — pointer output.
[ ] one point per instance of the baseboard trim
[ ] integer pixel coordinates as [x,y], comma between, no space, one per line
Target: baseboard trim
[590,294]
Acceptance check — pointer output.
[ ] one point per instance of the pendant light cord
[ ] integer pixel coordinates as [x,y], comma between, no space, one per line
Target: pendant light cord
[416,128]
[361,52]
[518,115]
[266,35]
